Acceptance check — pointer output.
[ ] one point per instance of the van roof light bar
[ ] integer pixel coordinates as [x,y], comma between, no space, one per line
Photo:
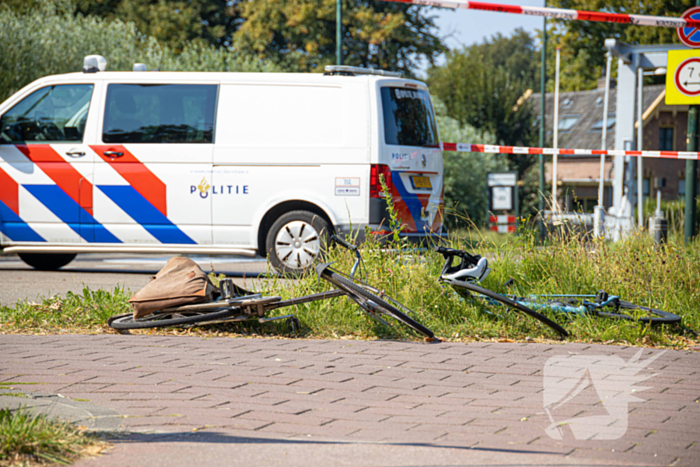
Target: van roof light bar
[356,70]
[94,63]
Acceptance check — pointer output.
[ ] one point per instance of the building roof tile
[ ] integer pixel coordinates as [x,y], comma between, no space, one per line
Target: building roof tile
[580,111]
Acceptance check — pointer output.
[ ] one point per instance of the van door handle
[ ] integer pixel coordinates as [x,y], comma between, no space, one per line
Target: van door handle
[113,154]
[74,153]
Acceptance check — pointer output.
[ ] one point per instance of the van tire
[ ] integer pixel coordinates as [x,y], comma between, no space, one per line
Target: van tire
[295,241]
[47,262]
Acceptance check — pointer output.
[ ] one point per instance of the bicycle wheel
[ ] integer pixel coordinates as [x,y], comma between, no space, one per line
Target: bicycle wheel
[172,318]
[511,304]
[631,312]
[353,289]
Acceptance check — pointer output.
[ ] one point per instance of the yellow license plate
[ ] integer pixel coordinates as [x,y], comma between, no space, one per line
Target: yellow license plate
[421,183]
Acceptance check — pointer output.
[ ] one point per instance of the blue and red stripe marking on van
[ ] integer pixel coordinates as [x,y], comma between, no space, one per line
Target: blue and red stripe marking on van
[9,192]
[63,174]
[145,214]
[10,222]
[70,213]
[411,207]
[145,182]
[70,199]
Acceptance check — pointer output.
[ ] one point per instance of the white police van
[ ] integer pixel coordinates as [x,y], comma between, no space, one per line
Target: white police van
[213,163]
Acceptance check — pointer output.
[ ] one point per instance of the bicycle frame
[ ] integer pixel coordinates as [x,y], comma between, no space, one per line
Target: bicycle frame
[584,308]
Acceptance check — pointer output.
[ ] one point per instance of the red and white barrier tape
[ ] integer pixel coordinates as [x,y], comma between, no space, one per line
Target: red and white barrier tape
[487,148]
[560,13]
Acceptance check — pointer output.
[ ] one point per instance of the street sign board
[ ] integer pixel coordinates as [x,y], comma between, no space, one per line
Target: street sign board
[683,77]
[501,198]
[690,36]
[502,179]
[503,191]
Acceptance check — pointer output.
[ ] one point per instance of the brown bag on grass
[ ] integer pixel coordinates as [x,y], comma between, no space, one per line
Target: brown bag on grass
[180,282]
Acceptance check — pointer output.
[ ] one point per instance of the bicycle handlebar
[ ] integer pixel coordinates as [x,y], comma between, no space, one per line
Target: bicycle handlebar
[448,253]
[343,243]
[467,260]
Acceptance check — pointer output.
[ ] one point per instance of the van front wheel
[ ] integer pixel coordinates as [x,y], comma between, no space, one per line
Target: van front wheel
[46,261]
[294,241]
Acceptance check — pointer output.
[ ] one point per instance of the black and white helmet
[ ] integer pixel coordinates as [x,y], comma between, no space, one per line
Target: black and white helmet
[477,273]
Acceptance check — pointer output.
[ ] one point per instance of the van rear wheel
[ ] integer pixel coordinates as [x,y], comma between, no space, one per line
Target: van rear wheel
[295,240]
[47,262]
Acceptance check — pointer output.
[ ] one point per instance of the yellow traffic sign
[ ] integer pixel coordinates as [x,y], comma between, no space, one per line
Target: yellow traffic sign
[683,77]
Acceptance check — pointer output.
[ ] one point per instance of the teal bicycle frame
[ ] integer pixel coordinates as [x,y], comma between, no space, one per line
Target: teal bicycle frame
[585,307]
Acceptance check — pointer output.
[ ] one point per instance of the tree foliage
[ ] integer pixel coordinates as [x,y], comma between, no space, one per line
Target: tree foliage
[481,85]
[465,173]
[58,40]
[298,35]
[375,34]
[582,42]
[171,22]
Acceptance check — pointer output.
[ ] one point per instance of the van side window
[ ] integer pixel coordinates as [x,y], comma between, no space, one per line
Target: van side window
[53,114]
[160,113]
[408,117]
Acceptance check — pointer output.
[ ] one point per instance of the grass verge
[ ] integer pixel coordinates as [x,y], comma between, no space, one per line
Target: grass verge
[666,278]
[27,439]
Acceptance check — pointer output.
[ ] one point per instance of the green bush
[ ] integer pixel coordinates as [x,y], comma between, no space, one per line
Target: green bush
[466,198]
[58,40]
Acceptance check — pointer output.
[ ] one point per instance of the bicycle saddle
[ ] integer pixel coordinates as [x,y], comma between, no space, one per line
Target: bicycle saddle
[476,273]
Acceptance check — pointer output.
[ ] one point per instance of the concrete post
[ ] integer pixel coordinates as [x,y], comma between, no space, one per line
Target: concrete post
[624,130]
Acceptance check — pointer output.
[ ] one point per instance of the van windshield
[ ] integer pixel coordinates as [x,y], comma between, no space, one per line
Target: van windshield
[408,117]
[51,114]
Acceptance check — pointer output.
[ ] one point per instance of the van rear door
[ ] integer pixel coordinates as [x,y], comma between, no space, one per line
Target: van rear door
[411,151]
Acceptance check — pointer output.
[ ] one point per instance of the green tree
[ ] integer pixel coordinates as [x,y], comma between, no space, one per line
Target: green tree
[465,173]
[582,42]
[172,22]
[58,40]
[302,32]
[484,85]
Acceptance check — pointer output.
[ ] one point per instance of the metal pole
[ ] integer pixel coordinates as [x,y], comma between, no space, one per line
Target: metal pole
[604,136]
[555,126]
[691,171]
[691,175]
[339,32]
[640,147]
[599,211]
[543,91]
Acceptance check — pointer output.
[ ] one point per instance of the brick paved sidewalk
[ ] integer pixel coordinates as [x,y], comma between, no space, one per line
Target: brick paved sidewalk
[224,401]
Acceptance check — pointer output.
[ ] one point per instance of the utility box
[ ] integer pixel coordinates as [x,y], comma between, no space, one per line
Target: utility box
[503,201]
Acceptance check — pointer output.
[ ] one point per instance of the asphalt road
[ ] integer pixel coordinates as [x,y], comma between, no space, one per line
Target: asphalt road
[20,282]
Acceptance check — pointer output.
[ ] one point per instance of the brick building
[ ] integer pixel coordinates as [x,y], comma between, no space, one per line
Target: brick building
[580,127]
